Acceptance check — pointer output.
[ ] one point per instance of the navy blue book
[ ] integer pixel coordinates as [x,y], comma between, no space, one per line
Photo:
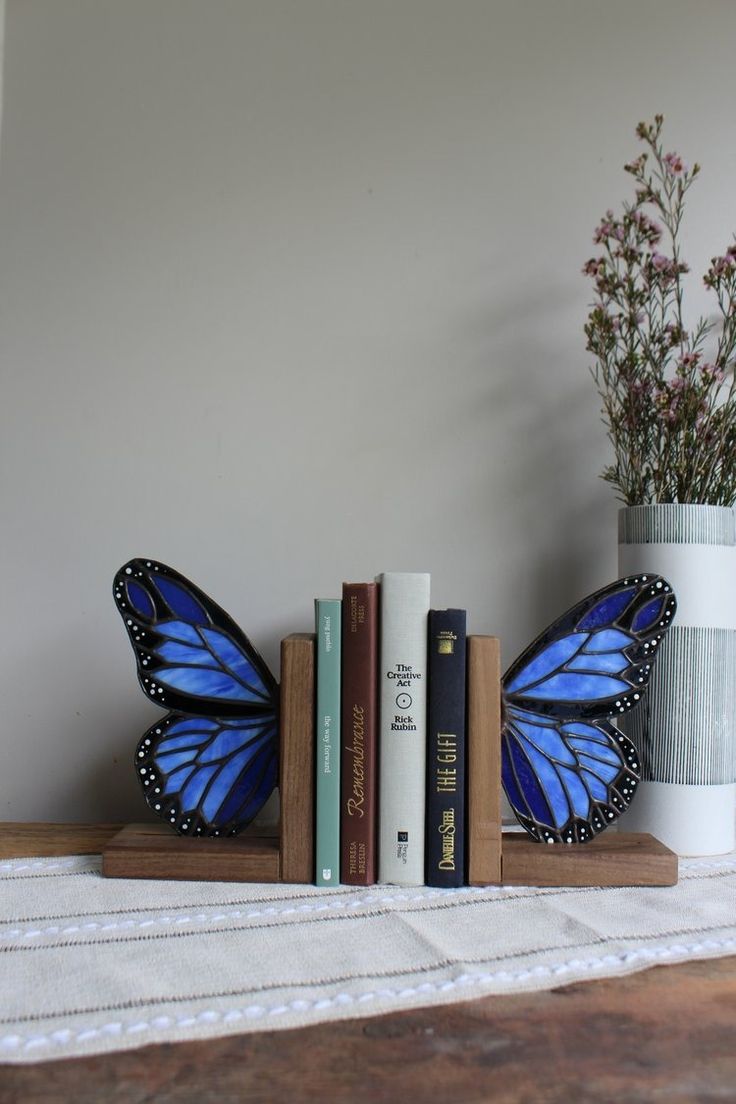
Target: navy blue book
[445,850]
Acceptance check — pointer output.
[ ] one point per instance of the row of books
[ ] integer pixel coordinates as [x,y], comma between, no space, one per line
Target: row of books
[405,740]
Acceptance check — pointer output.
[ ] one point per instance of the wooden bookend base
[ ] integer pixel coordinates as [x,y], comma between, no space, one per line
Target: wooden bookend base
[44,840]
[153,851]
[611,859]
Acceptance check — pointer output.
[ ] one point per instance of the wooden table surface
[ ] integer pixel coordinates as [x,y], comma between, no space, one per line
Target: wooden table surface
[665,1035]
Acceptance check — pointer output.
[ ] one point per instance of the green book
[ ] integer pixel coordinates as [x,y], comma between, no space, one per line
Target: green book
[327,794]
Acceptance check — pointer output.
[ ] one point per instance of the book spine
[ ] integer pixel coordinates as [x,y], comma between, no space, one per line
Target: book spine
[359,732]
[446,748]
[296,757]
[403,727]
[484,761]
[327,753]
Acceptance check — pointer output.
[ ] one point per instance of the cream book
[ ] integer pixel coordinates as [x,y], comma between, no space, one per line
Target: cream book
[403,726]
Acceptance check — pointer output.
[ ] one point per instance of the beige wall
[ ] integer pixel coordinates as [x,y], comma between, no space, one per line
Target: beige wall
[291,293]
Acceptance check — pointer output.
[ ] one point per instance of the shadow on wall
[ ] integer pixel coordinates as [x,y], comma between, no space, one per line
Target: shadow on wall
[557,518]
[107,788]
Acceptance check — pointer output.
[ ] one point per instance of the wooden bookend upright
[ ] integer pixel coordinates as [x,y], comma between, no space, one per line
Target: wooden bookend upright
[484,760]
[296,768]
[153,851]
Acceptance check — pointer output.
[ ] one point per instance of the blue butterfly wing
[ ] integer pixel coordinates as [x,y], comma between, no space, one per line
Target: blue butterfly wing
[208,776]
[195,661]
[568,771]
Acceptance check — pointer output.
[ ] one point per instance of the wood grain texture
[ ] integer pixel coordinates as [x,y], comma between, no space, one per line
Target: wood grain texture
[665,1034]
[35,840]
[484,760]
[610,859]
[154,851]
[296,763]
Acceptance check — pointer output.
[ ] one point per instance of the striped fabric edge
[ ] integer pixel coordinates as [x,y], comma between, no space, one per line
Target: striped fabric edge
[410,992]
[677,523]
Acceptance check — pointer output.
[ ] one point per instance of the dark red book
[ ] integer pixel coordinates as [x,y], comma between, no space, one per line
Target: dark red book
[359,734]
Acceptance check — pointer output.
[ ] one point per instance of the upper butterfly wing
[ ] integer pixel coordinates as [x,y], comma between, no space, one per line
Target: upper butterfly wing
[567,770]
[190,654]
[596,659]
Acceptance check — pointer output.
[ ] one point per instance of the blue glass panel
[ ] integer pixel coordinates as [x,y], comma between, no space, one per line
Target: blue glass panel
[232,658]
[608,610]
[648,615]
[185,740]
[179,630]
[533,796]
[551,658]
[606,771]
[181,602]
[229,741]
[597,790]
[192,793]
[550,783]
[606,753]
[176,780]
[589,731]
[139,599]
[579,798]
[193,724]
[170,760]
[254,799]
[173,652]
[613,662]
[579,688]
[513,792]
[203,683]
[588,747]
[226,777]
[546,739]
[608,640]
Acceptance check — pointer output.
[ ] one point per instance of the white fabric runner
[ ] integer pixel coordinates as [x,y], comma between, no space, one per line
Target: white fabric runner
[89,964]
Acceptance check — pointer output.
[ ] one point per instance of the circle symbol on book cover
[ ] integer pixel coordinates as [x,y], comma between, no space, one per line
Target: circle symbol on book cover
[403,701]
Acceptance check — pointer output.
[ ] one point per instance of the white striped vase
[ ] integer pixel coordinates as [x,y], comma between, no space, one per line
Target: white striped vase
[686,728]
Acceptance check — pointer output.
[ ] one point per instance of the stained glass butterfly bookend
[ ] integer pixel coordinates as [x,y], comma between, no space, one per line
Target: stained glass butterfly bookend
[208,767]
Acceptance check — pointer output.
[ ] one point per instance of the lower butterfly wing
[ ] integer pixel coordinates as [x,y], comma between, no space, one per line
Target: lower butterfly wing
[208,776]
[566,780]
[567,770]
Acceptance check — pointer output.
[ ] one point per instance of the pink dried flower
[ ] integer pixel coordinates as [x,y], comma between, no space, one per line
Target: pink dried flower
[711,373]
[721,268]
[674,163]
[593,267]
[648,228]
[636,167]
[604,230]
